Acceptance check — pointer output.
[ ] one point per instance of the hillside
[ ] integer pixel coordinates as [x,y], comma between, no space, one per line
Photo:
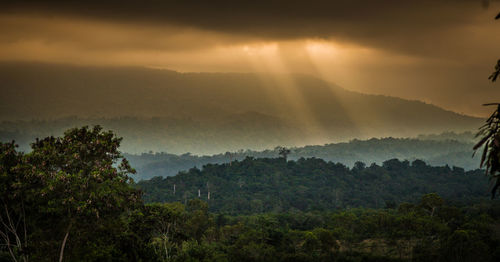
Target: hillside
[275,185]
[205,113]
[445,149]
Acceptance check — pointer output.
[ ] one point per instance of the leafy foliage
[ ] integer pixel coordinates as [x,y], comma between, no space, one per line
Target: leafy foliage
[490,138]
[493,77]
[272,185]
[14,197]
[74,190]
[409,232]
[490,141]
[65,192]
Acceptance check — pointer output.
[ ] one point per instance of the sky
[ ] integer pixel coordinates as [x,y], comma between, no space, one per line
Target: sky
[436,51]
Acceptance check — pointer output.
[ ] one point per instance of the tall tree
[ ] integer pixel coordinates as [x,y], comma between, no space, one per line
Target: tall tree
[283,151]
[79,179]
[73,183]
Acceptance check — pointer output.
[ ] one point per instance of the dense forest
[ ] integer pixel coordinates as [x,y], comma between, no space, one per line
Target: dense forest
[444,149]
[71,199]
[276,185]
[427,230]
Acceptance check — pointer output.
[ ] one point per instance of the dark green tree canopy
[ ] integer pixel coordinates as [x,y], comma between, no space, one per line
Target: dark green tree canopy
[66,186]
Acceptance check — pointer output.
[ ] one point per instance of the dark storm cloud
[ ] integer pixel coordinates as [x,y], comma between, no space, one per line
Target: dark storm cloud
[439,51]
[406,26]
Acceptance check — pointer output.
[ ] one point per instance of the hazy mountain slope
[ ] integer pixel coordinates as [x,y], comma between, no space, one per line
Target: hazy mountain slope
[207,113]
[173,135]
[435,152]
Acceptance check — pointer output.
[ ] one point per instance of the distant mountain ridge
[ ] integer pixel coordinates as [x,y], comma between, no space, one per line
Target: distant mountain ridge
[439,150]
[206,113]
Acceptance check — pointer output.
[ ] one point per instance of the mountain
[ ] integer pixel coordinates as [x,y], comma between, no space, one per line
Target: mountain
[206,113]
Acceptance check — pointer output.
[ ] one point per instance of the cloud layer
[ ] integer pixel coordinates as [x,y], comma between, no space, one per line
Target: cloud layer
[436,51]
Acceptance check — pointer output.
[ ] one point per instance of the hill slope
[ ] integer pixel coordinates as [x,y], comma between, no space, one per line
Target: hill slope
[208,112]
[274,185]
[444,149]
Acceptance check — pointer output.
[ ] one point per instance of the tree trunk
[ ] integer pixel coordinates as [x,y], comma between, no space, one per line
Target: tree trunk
[61,254]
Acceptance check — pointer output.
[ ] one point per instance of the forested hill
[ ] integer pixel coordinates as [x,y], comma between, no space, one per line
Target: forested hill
[445,149]
[205,113]
[275,185]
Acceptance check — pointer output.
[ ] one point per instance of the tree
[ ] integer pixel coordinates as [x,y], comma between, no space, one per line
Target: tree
[490,139]
[283,151]
[71,184]
[490,158]
[496,73]
[161,223]
[431,202]
[13,228]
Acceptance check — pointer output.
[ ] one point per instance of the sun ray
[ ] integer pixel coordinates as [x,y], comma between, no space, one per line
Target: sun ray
[270,62]
[328,62]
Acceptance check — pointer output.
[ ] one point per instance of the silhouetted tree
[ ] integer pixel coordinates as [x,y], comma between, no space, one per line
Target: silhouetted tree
[283,151]
[490,138]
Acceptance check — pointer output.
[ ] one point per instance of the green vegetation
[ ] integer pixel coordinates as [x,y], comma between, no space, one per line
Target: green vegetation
[445,149]
[429,230]
[276,185]
[63,195]
[70,199]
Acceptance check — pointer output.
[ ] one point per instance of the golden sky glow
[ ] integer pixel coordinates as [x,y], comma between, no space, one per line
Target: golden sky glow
[442,56]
